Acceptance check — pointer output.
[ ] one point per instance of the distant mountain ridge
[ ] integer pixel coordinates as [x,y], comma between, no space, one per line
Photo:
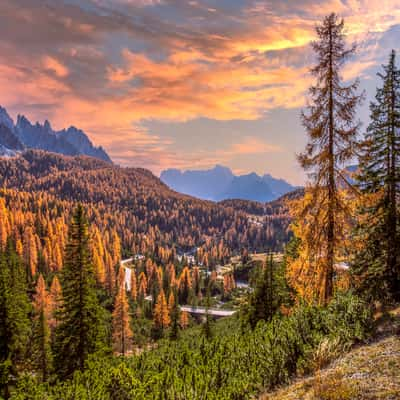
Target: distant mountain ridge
[25,135]
[219,183]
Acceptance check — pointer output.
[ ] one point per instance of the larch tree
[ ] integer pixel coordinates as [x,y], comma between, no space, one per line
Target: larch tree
[161,313]
[80,331]
[184,320]
[134,290]
[332,133]
[41,348]
[122,332]
[55,302]
[377,263]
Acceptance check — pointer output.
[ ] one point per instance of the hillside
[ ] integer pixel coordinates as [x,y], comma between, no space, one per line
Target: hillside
[368,372]
[133,200]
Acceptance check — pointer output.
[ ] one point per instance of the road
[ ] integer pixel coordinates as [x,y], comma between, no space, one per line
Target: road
[215,312]
[128,272]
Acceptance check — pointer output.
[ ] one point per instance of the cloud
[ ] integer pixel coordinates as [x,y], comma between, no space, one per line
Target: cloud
[110,66]
[52,64]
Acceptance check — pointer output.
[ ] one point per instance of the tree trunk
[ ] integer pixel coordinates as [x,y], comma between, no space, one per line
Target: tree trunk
[392,211]
[331,186]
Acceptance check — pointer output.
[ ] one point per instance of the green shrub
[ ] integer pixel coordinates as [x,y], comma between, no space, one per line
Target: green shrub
[234,364]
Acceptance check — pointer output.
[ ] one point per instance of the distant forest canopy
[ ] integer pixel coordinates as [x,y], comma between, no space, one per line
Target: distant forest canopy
[143,211]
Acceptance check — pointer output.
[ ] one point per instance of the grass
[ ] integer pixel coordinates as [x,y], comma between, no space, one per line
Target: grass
[367,372]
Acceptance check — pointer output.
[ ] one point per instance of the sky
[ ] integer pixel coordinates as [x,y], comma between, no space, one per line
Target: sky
[183,83]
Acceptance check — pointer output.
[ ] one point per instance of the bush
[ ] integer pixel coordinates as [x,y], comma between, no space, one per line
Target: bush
[234,364]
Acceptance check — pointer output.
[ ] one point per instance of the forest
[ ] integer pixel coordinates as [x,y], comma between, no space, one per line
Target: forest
[72,328]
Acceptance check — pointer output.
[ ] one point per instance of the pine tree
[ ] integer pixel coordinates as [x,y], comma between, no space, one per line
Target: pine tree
[80,331]
[14,316]
[122,332]
[174,311]
[264,301]
[332,134]
[377,263]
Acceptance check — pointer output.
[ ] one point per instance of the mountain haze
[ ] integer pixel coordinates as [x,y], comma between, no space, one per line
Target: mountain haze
[219,183]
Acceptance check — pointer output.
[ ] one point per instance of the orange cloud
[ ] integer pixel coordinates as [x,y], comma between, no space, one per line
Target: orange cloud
[51,64]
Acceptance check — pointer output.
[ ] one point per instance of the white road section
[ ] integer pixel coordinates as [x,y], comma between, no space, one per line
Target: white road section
[211,311]
[128,272]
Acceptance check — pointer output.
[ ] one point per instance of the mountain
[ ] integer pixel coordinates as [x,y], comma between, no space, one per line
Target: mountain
[8,139]
[204,184]
[219,183]
[24,134]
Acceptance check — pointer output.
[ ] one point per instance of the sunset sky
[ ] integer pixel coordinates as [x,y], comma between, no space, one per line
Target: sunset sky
[185,84]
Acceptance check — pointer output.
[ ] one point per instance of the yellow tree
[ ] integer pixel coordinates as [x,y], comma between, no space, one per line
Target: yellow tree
[184,320]
[171,302]
[55,302]
[122,332]
[307,268]
[332,134]
[142,285]
[4,224]
[161,312]
[30,250]
[134,291]
[41,352]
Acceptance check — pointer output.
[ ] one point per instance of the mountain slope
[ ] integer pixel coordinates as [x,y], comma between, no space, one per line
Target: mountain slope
[368,372]
[71,141]
[219,183]
[8,139]
[139,205]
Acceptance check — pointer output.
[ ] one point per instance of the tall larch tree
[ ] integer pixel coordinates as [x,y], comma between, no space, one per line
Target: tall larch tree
[332,134]
[134,290]
[122,332]
[41,348]
[80,331]
[161,313]
[377,263]
[55,303]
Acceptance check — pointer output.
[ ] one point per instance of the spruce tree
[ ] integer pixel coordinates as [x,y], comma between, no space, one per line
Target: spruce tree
[330,126]
[41,346]
[175,314]
[80,331]
[14,316]
[264,301]
[377,263]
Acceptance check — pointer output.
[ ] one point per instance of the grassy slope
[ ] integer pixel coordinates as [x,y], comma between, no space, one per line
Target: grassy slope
[367,372]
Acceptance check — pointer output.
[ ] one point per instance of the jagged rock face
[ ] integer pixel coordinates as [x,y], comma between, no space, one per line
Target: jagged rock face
[79,140]
[42,137]
[71,141]
[5,119]
[8,139]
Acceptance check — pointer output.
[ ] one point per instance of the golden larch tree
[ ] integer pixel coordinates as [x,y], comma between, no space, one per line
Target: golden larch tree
[122,332]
